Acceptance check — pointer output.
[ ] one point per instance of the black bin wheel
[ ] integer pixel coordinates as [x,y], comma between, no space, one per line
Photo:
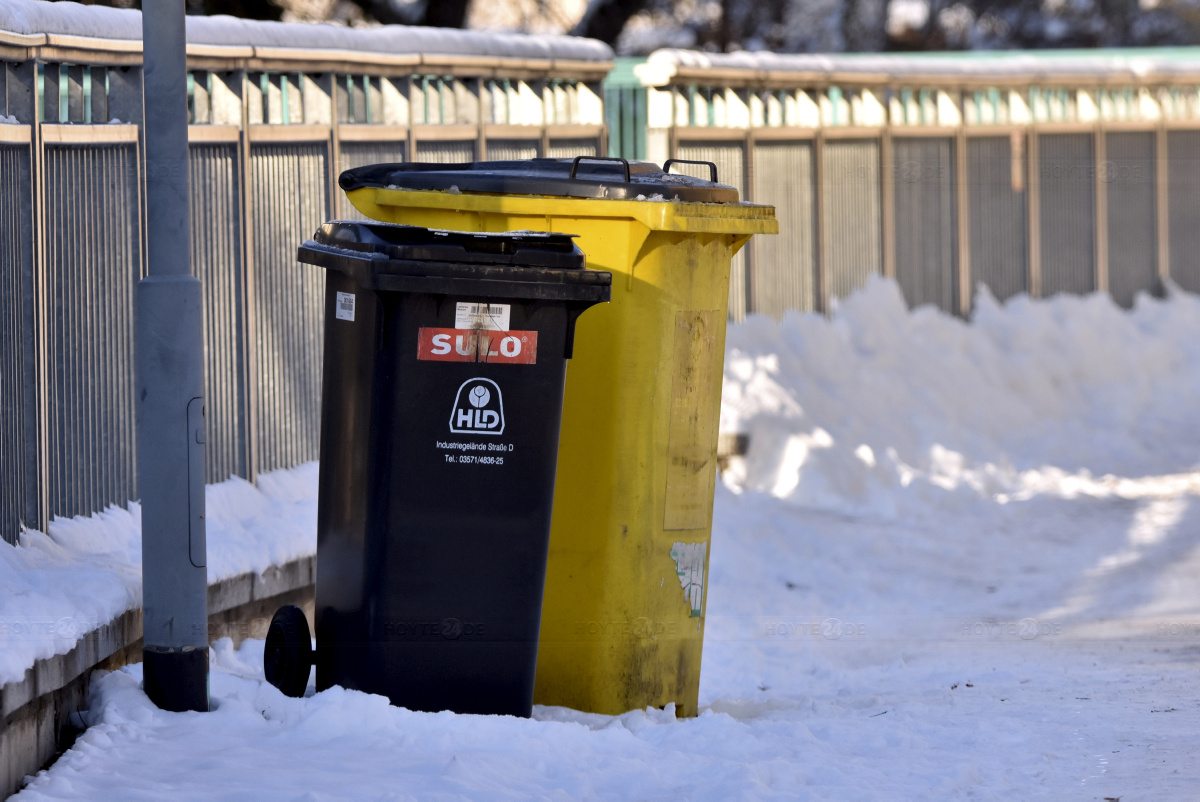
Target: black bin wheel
[288,655]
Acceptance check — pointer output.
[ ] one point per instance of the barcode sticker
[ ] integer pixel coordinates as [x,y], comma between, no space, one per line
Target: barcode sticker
[345,306]
[493,317]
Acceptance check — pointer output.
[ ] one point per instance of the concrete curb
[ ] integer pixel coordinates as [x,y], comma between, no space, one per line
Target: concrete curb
[35,710]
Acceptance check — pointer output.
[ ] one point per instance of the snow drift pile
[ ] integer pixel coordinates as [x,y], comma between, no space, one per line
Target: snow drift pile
[1033,396]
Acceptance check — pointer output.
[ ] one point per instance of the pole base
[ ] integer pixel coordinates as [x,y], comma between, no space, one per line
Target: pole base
[176,679]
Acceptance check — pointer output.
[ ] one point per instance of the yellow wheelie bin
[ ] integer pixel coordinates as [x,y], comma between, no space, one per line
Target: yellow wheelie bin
[623,614]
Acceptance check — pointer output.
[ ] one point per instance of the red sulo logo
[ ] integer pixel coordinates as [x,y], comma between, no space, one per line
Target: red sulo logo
[472,345]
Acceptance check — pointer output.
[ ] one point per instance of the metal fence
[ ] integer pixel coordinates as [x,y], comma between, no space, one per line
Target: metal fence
[1039,175]
[271,129]
[1068,172]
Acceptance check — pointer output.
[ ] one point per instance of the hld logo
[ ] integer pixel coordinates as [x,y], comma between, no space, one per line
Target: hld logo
[478,408]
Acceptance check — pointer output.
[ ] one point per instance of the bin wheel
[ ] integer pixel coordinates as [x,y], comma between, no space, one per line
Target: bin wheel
[288,655]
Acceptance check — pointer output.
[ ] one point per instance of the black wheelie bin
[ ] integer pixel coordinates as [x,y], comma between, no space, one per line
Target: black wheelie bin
[445,361]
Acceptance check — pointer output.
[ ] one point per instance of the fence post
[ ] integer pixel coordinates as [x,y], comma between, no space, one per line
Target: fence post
[1162,187]
[749,179]
[25,103]
[887,176]
[821,296]
[965,290]
[408,88]
[482,103]
[1100,183]
[19,100]
[233,103]
[1035,212]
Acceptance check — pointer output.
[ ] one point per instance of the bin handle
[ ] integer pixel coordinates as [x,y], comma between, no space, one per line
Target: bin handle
[712,168]
[578,159]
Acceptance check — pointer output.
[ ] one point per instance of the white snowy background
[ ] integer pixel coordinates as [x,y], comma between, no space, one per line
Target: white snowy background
[959,560]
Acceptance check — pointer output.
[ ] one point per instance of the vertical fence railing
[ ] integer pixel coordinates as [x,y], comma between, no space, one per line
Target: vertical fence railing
[1067,218]
[945,174]
[70,254]
[91,185]
[998,230]
[19,490]
[926,224]
[850,199]
[289,183]
[783,169]
[270,132]
[1183,201]
[1131,183]
[214,172]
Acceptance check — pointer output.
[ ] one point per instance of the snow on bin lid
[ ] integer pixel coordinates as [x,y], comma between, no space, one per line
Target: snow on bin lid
[581,177]
[418,244]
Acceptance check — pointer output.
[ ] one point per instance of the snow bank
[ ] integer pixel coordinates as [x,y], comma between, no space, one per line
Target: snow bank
[86,571]
[31,17]
[54,594]
[1033,396]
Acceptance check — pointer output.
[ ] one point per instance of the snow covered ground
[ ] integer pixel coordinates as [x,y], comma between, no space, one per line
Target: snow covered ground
[86,571]
[957,561]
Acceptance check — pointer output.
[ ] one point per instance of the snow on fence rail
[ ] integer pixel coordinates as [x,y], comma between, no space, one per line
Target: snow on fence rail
[277,112]
[1056,172]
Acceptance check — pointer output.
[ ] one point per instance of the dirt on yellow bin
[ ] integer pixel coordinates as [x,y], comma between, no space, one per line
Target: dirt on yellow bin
[623,612]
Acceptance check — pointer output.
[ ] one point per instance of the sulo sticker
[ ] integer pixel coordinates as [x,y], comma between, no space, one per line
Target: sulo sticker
[457,345]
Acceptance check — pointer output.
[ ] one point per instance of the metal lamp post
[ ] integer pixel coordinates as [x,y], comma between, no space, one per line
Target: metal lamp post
[170,387]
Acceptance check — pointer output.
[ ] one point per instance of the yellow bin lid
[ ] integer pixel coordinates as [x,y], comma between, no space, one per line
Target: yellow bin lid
[584,186]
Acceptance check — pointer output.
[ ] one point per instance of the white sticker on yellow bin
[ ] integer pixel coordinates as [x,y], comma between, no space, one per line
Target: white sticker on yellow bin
[689,565]
[492,317]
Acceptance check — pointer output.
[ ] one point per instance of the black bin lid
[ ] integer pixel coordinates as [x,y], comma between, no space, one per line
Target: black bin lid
[513,264]
[416,243]
[581,177]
